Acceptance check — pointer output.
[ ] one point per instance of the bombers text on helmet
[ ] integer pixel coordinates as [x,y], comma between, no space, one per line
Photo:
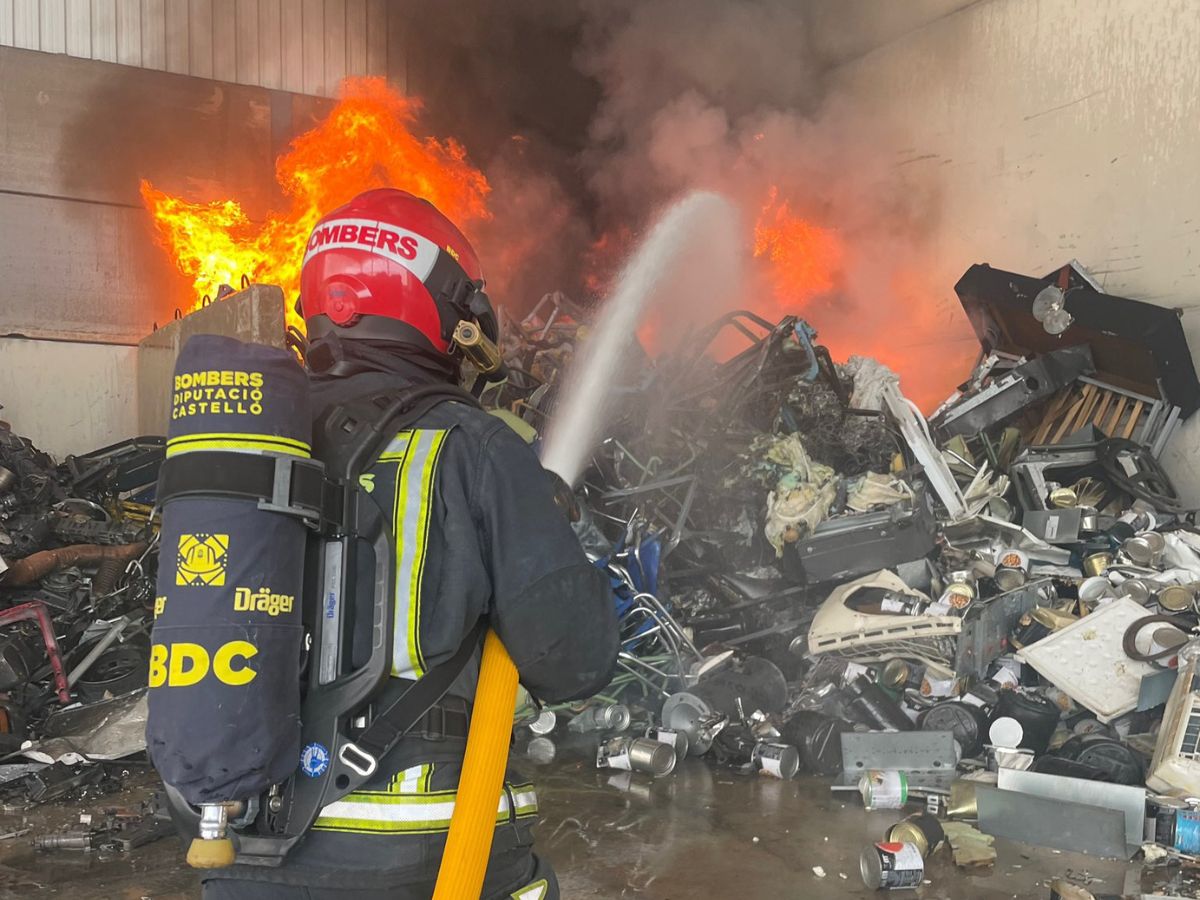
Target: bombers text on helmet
[389,266]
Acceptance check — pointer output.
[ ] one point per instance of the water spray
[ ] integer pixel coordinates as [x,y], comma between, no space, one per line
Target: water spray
[698,232]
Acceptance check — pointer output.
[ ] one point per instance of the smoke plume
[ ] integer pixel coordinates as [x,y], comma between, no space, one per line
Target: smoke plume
[722,95]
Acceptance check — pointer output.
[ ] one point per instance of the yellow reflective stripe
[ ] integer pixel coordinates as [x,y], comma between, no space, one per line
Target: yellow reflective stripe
[535,891]
[406,781]
[409,814]
[396,448]
[257,443]
[414,504]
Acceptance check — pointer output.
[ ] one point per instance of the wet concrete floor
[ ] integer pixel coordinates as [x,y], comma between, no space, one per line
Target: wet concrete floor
[702,832]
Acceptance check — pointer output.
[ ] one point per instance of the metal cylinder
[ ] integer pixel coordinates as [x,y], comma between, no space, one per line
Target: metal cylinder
[677,739]
[1097,563]
[1012,569]
[1095,589]
[921,829]
[606,717]
[776,760]
[1175,597]
[1145,549]
[637,755]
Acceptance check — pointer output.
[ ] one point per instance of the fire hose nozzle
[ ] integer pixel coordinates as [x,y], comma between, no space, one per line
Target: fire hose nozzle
[475,346]
[212,849]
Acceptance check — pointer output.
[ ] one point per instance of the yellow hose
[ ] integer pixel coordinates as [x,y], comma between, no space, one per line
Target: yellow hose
[469,843]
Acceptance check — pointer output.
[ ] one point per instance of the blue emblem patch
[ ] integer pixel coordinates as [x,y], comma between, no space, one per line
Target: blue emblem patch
[314,760]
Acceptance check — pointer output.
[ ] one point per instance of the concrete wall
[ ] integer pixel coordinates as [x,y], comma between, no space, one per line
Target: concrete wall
[1051,130]
[68,397]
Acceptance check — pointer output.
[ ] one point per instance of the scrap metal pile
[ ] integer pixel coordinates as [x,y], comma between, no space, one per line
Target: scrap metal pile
[811,576]
[77,558]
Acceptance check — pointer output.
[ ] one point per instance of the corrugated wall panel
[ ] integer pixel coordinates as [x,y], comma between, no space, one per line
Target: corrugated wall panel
[179,52]
[53,30]
[356,37]
[26,24]
[104,30]
[79,29]
[200,38]
[335,43]
[305,46]
[248,68]
[6,23]
[292,36]
[312,40]
[154,34]
[270,49]
[225,40]
[129,32]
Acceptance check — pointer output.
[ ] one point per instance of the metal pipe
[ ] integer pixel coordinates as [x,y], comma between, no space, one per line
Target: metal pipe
[109,638]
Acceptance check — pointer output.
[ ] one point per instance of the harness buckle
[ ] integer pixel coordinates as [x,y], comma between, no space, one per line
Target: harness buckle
[365,764]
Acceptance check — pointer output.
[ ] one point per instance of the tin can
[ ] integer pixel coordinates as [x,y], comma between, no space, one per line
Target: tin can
[892,867]
[1187,831]
[1012,569]
[1097,563]
[671,737]
[1161,816]
[1145,548]
[1095,589]
[776,760]
[544,723]
[1063,498]
[1136,589]
[1175,597]
[922,829]
[956,599]
[900,674]
[899,603]
[883,789]
[636,755]
[605,717]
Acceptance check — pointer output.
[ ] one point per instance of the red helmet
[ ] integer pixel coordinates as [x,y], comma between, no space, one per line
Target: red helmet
[389,266]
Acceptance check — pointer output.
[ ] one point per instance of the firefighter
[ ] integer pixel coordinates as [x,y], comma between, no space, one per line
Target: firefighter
[385,280]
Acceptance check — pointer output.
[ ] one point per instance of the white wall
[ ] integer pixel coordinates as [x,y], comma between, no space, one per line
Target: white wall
[306,46]
[68,397]
[1053,129]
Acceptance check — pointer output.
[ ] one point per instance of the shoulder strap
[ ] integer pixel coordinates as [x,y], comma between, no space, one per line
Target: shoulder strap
[349,436]
[390,724]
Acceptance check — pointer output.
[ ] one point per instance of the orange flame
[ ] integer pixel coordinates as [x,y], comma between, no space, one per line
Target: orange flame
[366,142]
[926,344]
[804,257]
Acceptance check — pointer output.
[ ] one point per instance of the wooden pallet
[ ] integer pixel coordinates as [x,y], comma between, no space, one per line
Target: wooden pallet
[1075,407]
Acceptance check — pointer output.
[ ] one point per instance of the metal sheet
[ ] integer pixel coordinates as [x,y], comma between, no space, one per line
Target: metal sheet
[928,757]
[1056,824]
[1054,526]
[129,32]
[1155,689]
[985,633]
[242,41]
[1130,801]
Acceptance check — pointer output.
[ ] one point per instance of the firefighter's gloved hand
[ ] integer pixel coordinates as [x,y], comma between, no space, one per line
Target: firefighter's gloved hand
[564,498]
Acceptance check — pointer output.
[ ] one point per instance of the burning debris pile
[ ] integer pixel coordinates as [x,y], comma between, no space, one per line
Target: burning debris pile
[813,577]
